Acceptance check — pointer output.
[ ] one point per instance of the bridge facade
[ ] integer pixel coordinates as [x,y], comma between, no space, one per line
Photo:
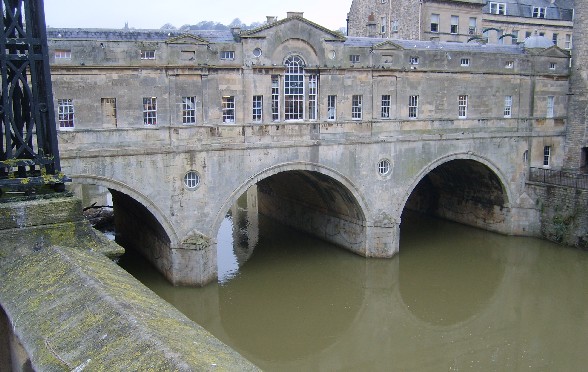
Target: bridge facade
[334,136]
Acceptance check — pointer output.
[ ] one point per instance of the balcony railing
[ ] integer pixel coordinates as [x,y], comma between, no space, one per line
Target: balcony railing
[560,178]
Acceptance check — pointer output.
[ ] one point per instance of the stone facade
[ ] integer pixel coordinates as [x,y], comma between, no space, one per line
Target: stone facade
[463,20]
[340,135]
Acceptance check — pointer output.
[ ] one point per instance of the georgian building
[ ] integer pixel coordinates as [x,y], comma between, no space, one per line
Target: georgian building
[294,75]
[500,21]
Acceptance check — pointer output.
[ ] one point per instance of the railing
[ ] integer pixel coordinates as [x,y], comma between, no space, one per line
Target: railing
[560,178]
[28,146]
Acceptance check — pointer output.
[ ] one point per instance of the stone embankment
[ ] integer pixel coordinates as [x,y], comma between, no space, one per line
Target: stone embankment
[65,305]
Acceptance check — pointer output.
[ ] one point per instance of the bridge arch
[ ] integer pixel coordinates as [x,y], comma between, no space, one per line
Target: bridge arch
[142,199]
[484,183]
[358,212]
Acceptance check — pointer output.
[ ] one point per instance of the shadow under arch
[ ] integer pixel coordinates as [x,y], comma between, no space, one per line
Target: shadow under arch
[361,206]
[121,187]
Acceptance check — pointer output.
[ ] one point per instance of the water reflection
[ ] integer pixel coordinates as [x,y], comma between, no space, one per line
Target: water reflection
[455,298]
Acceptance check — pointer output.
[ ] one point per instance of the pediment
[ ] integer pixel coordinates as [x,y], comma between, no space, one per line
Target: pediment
[187,39]
[296,23]
[387,45]
[554,51]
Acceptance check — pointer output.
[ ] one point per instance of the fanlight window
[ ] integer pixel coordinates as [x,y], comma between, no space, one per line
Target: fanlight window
[294,89]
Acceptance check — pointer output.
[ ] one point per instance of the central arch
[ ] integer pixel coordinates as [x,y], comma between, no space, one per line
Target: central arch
[312,198]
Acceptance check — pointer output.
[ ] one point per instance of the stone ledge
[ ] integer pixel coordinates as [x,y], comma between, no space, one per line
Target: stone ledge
[73,308]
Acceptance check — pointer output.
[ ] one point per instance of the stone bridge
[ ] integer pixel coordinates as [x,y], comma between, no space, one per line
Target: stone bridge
[347,183]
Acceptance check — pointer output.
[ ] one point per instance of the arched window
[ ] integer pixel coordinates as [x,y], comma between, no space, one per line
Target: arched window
[294,89]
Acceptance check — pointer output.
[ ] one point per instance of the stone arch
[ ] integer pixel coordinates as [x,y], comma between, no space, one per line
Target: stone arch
[293,166]
[456,156]
[299,47]
[138,196]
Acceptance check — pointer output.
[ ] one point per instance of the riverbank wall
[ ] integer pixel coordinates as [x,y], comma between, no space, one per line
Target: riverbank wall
[65,305]
[564,213]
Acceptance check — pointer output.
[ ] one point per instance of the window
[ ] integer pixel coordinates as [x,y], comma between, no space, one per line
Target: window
[554,38]
[462,106]
[454,28]
[150,110]
[65,113]
[568,42]
[546,155]
[414,60]
[527,34]
[147,54]
[294,89]
[550,106]
[188,110]
[356,106]
[385,113]
[507,106]
[191,179]
[514,37]
[63,54]
[413,107]
[498,8]
[465,62]
[383,25]
[472,27]
[257,108]
[384,167]
[228,107]
[538,12]
[275,98]
[227,55]
[552,65]
[312,96]
[109,111]
[395,26]
[509,64]
[354,58]
[257,52]
[542,34]
[434,22]
[331,107]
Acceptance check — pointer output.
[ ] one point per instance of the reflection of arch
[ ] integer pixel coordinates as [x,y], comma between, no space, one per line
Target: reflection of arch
[139,197]
[458,156]
[295,166]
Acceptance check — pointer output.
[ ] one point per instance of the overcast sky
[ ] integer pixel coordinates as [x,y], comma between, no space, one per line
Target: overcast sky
[154,14]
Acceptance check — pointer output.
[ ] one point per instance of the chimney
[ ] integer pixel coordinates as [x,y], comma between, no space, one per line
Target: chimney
[271,19]
[236,31]
[295,14]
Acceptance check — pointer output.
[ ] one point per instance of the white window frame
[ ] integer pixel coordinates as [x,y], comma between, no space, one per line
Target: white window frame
[435,21]
[147,54]
[552,65]
[62,54]
[462,104]
[356,107]
[150,111]
[332,107]
[413,107]
[188,110]
[497,8]
[227,55]
[294,93]
[313,82]
[539,12]
[394,25]
[385,109]
[454,25]
[507,106]
[65,113]
[550,106]
[568,42]
[257,109]
[383,25]
[275,98]
[414,60]
[546,156]
[473,26]
[354,58]
[465,62]
[228,108]
[509,64]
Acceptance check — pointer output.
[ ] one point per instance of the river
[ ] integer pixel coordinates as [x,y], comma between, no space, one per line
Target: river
[455,298]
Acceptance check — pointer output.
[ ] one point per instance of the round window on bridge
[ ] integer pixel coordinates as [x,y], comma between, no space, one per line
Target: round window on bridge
[257,52]
[384,167]
[191,180]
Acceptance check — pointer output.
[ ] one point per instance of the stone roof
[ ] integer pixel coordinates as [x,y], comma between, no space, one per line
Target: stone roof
[558,10]
[367,42]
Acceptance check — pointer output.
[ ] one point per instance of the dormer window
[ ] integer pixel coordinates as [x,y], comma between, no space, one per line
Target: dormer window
[498,8]
[538,12]
[465,62]
[147,54]
[354,58]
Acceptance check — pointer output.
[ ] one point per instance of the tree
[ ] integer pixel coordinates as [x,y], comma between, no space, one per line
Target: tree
[168,26]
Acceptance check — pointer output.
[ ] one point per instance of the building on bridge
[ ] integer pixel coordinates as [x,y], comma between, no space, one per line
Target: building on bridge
[500,21]
[339,135]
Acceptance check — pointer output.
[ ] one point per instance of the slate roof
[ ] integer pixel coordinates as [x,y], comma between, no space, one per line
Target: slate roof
[560,10]
[214,36]
[367,42]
